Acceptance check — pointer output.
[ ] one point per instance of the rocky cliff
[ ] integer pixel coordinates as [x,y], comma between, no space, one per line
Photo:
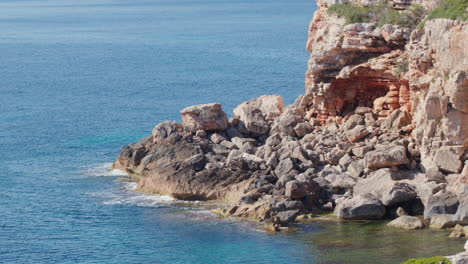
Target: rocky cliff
[381,131]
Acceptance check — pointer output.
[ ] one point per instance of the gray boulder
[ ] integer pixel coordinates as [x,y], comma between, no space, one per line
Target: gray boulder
[165,129]
[357,133]
[387,157]
[461,214]
[285,217]
[443,202]
[447,158]
[257,114]
[363,206]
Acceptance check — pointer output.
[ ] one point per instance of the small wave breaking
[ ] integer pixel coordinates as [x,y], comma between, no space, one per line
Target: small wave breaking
[104,169]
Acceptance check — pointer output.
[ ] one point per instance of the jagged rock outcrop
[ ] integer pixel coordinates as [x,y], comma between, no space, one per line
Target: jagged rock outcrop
[382,128]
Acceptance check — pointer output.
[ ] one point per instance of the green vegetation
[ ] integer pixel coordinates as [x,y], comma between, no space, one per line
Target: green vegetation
[402,67]
[381,14]
[433,260]
[450,9]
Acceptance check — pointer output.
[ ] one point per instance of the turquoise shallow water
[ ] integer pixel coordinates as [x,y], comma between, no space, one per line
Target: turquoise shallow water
[79,79]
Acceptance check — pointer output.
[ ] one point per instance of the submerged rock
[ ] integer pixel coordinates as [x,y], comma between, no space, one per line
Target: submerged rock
[407,222]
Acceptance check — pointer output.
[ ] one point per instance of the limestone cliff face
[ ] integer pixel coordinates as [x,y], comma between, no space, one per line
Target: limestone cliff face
[438,68]
[361,65]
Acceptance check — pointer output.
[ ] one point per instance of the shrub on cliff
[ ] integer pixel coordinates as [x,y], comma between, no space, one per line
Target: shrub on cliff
[449,9]
[381,14]
[433,260]
[351,12]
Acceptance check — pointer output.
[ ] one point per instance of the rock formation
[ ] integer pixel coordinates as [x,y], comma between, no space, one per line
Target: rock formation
[381,129]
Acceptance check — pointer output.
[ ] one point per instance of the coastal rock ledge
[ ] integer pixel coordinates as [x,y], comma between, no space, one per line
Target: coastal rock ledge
[383,125]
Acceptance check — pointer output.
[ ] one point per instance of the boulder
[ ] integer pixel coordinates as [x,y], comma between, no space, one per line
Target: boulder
[457,232]
[207,117]
[302,129]
[296,190]
[447,158]
[284,167]
[461,215]
[381,185]
[286,122]
[285,217]
[363,206]
[353,121]
[360,152]
[443,202]
[407,222]
[397,119]
[401,212]
[341,182]
[442,221]
[217,138]
[165,129]
[387,157]
[357,133]
[258,113]
[355,169]
[239,142]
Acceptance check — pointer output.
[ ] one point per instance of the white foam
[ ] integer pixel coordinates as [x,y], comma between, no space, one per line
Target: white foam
[104,169]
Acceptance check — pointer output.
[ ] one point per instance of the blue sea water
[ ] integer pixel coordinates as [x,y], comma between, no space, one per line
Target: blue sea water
[80,79]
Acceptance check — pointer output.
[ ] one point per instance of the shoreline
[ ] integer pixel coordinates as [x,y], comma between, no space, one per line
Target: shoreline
[378,134]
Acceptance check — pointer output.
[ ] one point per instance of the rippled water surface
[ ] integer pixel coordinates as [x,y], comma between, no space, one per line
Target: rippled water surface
[79,79]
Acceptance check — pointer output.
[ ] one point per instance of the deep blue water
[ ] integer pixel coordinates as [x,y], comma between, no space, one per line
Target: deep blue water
[80,79]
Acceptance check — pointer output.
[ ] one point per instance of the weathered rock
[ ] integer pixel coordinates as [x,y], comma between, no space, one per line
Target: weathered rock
[461,215]
[387,157]
[296,190]
[165,129]
[353,121]
[397,119]
[357,133]
[407,222]
[361,151]
[433,174]
[217,138]
[442,202]
[284,167]
[355,169]
[341,182]
[457,232]
[447,158]
[401,212]
[438,83]
[206,117]
[239,142]
[258,113]
[363,206]
[229,144]
[302,129]
[441,221]
[382,186]
[286,217]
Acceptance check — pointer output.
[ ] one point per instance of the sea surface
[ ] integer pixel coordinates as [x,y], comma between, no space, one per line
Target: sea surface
[80,79]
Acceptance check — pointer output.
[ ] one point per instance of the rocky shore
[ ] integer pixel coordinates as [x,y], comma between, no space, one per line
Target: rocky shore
[380,133]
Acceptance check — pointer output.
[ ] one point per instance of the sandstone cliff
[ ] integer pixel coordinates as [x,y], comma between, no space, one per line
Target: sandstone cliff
[383,125]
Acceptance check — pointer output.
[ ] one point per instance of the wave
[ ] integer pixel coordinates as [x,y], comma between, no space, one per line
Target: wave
[104,169]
